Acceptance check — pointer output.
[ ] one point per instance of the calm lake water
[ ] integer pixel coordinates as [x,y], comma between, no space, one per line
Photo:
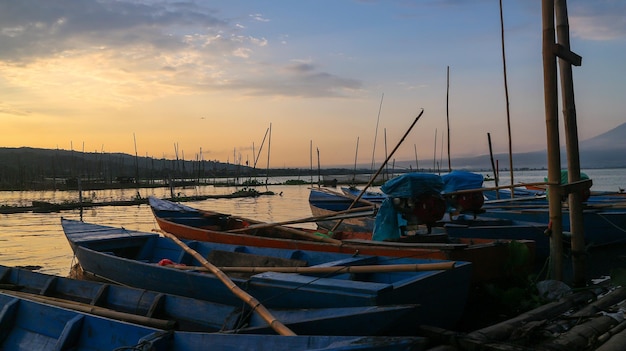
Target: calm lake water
[36,239]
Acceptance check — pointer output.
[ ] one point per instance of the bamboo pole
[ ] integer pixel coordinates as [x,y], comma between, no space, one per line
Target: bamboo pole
[553,145]
[614,339]
[497,188]
[305,220]
[96,310]
[448,116]
[275,324]
[504,329]
[571,142]
[382,166]
[506,95]
[417,267]
[580,335]
[380,107]
[493,166]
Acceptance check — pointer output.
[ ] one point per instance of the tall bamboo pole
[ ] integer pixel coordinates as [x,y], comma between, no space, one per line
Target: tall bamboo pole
[550,92]
[380,107]
[506,95]
[356,200]
[571,141]
[269,143]
[356,155]
[448,117]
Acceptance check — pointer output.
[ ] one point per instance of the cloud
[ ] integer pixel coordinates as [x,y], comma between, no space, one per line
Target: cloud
[118,51]
[598,20]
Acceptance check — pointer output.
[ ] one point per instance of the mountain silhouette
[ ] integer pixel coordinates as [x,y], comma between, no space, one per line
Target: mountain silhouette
[607,150]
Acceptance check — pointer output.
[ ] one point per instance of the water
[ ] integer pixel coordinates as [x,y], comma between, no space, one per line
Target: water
[37,238]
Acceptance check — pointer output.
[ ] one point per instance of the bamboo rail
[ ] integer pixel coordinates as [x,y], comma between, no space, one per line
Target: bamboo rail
[304,220]
[419,267]
[96,310]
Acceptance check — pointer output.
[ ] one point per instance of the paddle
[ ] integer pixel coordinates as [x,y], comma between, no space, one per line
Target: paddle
[279,327]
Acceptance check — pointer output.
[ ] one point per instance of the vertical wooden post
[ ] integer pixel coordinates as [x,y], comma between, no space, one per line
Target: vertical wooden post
[552,131]
[571,141]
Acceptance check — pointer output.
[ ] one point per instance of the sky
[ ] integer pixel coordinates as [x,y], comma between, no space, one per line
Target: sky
[286,83]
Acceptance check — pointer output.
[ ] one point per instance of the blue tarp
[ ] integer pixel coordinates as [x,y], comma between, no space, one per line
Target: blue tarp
[388,221]
[412,185]
[461,180]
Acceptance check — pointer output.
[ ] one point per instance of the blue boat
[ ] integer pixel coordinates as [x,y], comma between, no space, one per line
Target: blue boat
[27,325]
[171,312]
[325,202]
[464,226]
[375,197]
[602,226]
[131,258]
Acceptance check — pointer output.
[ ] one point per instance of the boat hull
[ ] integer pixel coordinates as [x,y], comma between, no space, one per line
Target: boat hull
[27,325]
[166,311]
[130,258]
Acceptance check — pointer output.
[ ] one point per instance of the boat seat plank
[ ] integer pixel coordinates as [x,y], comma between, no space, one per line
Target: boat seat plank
[7,313]
[70,333]
[156,305]
[48,286]
[299,281]
[350,261]
[101,295]
[5,274]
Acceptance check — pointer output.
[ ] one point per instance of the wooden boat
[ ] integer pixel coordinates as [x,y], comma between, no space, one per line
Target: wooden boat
[602,225]
[325,202]
[488,256]
[27,325]
[132,258]
[369,195]
[172,312]
[498,228]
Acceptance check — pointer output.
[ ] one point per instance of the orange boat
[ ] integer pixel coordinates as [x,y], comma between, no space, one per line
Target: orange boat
[491,258]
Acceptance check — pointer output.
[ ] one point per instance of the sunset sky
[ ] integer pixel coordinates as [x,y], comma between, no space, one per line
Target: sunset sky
[212,76]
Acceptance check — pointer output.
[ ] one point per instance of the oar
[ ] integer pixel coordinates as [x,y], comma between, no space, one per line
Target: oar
[279,327]
[416,267]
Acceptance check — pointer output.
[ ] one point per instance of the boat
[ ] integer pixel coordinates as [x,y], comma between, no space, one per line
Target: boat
[133,258]
[172,312]
[469,226]
[325,203]
[488,256]
[372,196]
[419,198]
[27,325]
[602,225]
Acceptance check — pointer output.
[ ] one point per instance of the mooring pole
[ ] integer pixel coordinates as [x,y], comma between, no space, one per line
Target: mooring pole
[550,91]
[566,60]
